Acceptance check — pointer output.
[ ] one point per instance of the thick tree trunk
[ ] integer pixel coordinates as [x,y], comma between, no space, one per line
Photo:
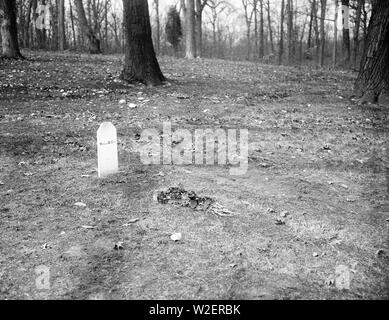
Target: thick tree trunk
[9,32]
[140,62]
[346,31]
[190,48]
[373,77]
[93,41]
[61,25]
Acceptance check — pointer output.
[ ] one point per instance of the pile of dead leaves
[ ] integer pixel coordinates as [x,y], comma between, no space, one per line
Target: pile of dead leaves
[181,197]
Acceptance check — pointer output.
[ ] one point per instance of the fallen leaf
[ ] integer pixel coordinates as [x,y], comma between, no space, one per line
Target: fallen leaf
[121,101]
[131,222]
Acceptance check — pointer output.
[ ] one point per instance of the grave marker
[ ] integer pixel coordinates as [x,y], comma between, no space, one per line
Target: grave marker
[107,151]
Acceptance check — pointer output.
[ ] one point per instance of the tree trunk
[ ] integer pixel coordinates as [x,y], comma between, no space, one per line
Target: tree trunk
[27,25]
[61,25]
[322,31]
[255,54]
[9,32]
[40,32]
[72,23]
[158,37]
[281,50]
[270,28]
[93,41]
[316,29]
[290,30]
[373,78]
[54,25]
[346,31]
[334,50]
[140,62]
[106,25]
[356,32]
[309,41]
[261,32]
[190,49]
[248,20]
[301,40]
[199,29]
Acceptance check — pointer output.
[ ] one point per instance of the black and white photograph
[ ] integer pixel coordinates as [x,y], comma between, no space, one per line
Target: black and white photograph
[220,151]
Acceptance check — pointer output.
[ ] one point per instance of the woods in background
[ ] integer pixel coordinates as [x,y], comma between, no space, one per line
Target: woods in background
[295,31]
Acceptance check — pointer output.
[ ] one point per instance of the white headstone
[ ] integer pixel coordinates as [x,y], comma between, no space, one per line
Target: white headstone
[107,150]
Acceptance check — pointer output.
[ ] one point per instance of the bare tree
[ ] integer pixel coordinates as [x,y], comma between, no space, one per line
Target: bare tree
[190,43]
[140,62]
[93,41]
[322,31]
[281,49]
[261,31]
[270,26]
[200,4]
[248,15]
[217,7]
[61,25]
[27,25]
[72,22]
[334,52]
[289,10]
[255,3]
[358,13]
[346,31]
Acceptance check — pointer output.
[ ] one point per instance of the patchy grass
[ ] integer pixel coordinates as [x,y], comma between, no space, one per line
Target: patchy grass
[311,153]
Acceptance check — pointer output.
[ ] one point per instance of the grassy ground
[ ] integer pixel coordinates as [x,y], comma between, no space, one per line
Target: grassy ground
[312,153]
